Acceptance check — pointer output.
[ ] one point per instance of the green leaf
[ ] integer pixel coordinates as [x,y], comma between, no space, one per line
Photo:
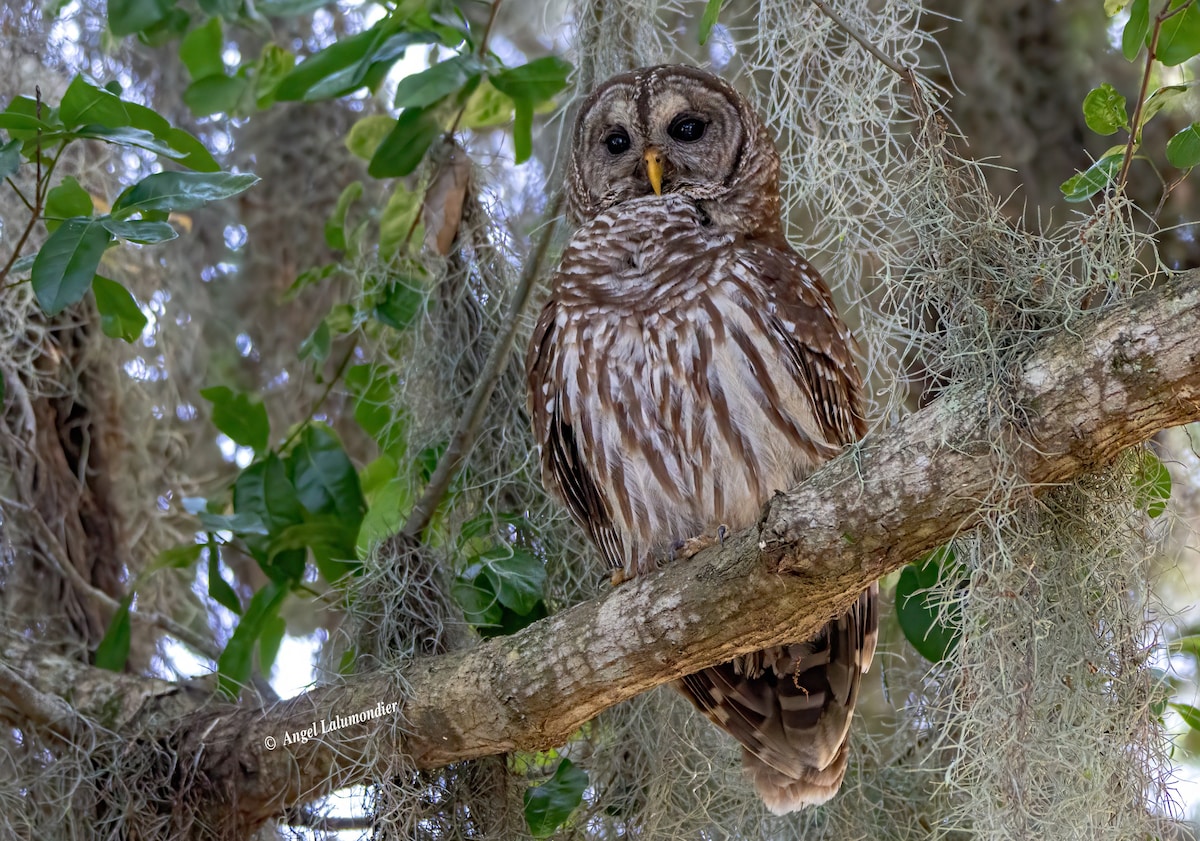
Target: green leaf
[175,191]
[220,8]
[374,390]
[240,524]
[1104,110]
[113,650]
[218,588]
[332,545]
[317,344]
[264,489]
[472,591]
[1152,484]
[289,8]
[328,61]
[1189,644]
[129,136]
[307,278]
[215,95]
[23,265]
[84,103]
[404,301]
[66,200]
[359,61]
[23,126]
[10,158]
[397,221]
[20,119]
[64,267]
[1160,99]
[1183,150]
[1111,7]
[486,107]
[711,10]
[141,231]
[201,50]
[522,130]
[389,498]
[325,480]
[177,557]
[120,316]
[922,619]
[437,82]
[1179,38]
[1133,38]
[365,135]
[534,82]
[335,227]
[344,318]
[548,806]
[274,64]
[366,71]
[171,28]
[1189,714]
[98,108]
[240,416]
[517,577]
[405,145]
[125,17]
[196,155]
[269,641]
[236,661]
[1084,185]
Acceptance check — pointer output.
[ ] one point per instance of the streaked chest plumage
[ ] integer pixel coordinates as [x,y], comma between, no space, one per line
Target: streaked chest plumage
[668,369]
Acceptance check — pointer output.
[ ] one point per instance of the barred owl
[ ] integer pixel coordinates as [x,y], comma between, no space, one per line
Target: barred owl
[687,365]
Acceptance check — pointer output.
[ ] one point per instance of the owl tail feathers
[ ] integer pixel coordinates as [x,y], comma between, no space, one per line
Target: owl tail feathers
[782,793]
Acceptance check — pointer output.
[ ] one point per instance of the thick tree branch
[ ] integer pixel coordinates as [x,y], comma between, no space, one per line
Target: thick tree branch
[1081,398]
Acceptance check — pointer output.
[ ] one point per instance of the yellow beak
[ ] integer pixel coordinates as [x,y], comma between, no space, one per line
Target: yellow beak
[654,169]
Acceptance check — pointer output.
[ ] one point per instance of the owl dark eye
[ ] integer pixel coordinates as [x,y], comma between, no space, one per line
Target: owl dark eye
[687,129]
[617,141]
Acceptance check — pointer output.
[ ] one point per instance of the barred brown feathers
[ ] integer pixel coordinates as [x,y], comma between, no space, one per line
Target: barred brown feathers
[687,365]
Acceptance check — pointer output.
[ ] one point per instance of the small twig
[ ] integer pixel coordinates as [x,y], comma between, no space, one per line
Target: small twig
[1135,128]
[906,73]
[40,191]
[20,194]
[337,376]
[487,31]
[1166,194]
[879,54]
[472,417]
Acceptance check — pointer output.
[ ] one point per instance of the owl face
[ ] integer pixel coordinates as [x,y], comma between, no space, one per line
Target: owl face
[667,130]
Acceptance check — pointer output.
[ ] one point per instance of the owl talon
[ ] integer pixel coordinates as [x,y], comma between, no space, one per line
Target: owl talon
[684,549]
[619,577]
[722,533]
[675,548]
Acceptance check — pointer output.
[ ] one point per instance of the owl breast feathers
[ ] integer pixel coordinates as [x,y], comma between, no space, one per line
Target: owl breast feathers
[687,365]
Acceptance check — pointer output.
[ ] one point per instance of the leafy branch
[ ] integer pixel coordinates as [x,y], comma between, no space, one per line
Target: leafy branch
[1170,38]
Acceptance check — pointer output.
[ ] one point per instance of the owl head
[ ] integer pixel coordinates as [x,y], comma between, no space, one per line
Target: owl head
[673,130]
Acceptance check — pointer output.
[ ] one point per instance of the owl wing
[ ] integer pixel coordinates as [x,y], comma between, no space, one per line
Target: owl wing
[563,469]
[817,344]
